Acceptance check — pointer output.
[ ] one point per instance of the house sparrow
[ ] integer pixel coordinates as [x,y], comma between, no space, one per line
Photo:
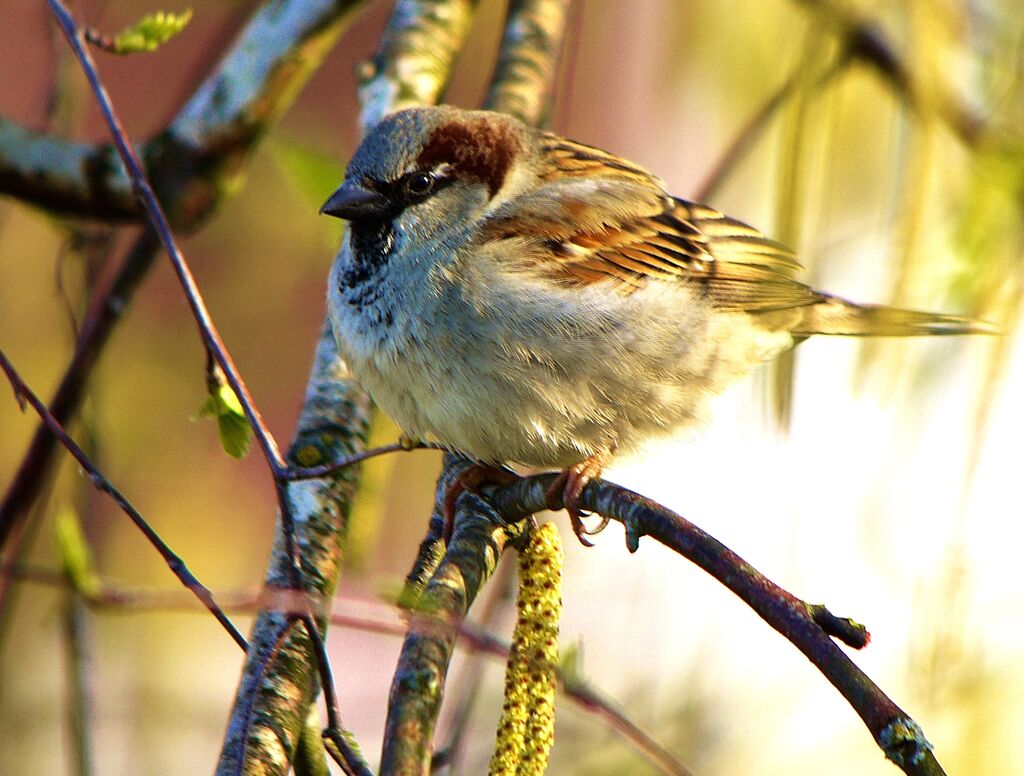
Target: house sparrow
[520,297]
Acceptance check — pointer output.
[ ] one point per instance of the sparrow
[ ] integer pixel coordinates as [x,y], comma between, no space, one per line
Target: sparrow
[520,297]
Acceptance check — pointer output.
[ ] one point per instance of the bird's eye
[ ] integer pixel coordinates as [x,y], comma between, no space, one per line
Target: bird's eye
[419,184]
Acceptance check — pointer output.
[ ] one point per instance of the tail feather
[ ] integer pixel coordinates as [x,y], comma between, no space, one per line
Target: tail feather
[833,315]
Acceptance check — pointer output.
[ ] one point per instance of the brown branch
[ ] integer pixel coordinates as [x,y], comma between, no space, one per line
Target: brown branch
[102,484]
[809,628]
[295,576]
[160,223]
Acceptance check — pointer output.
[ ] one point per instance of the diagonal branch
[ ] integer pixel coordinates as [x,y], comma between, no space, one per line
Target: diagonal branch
[865,41]
[102,484]
[810,628]
[435,619]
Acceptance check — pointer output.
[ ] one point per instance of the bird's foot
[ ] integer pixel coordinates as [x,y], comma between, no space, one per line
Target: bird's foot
[570,484]
[471,480]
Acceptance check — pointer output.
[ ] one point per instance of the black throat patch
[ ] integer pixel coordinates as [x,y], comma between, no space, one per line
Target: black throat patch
[360,284]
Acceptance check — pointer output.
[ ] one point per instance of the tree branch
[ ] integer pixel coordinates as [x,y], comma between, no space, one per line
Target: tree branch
[102,484]
[74,179]
[415,58]
[525,73]
[810,628]
[279,680]
[435,618]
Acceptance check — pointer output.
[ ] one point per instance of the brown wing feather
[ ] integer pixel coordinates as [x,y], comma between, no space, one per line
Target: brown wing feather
[602,219]
[598,218]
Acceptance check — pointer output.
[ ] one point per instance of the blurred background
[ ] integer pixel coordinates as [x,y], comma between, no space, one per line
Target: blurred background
[892,497]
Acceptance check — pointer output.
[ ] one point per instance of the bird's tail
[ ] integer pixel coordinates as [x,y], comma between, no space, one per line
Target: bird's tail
[833,315]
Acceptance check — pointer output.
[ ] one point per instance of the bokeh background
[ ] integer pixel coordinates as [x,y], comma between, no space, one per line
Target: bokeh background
[893,497]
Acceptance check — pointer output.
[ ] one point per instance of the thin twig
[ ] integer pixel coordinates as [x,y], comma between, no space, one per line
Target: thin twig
[175,563]
[80,695]
[350,761]
[207,329]
[207,141]
[756,125]
[158,220]
[296,473]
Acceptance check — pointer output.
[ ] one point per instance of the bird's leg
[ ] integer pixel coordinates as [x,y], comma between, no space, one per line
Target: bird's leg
[571,483]
[470,480]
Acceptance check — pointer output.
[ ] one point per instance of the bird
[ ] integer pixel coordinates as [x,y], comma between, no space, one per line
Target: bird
[522,298]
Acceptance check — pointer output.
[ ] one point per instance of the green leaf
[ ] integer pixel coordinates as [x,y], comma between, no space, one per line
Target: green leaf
[232,425]
[75,555]
[570,663]
[313,174]
[150,32]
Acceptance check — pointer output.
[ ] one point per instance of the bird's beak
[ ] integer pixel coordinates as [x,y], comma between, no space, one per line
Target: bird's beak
[354,201]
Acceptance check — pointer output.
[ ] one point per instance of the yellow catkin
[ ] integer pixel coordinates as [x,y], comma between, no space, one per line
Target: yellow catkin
[526,730]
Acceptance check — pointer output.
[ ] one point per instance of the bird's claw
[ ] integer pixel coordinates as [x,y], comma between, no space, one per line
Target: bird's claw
[471,480]
[569,485]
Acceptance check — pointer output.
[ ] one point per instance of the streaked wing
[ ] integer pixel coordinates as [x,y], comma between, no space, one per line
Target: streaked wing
[602,219]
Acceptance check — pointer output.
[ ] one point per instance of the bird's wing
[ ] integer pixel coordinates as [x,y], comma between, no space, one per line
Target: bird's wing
[596,218]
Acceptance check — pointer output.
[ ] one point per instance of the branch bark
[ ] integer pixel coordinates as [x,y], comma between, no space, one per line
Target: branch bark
[280,679]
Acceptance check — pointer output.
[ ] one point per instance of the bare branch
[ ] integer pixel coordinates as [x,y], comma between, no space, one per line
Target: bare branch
[102,484]
[280,48]
[64,177]
[525,73]
[279,681]
[900,738]
[415,57]
[256,81]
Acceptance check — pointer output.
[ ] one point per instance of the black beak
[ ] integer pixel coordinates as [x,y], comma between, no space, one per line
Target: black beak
[354,201]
